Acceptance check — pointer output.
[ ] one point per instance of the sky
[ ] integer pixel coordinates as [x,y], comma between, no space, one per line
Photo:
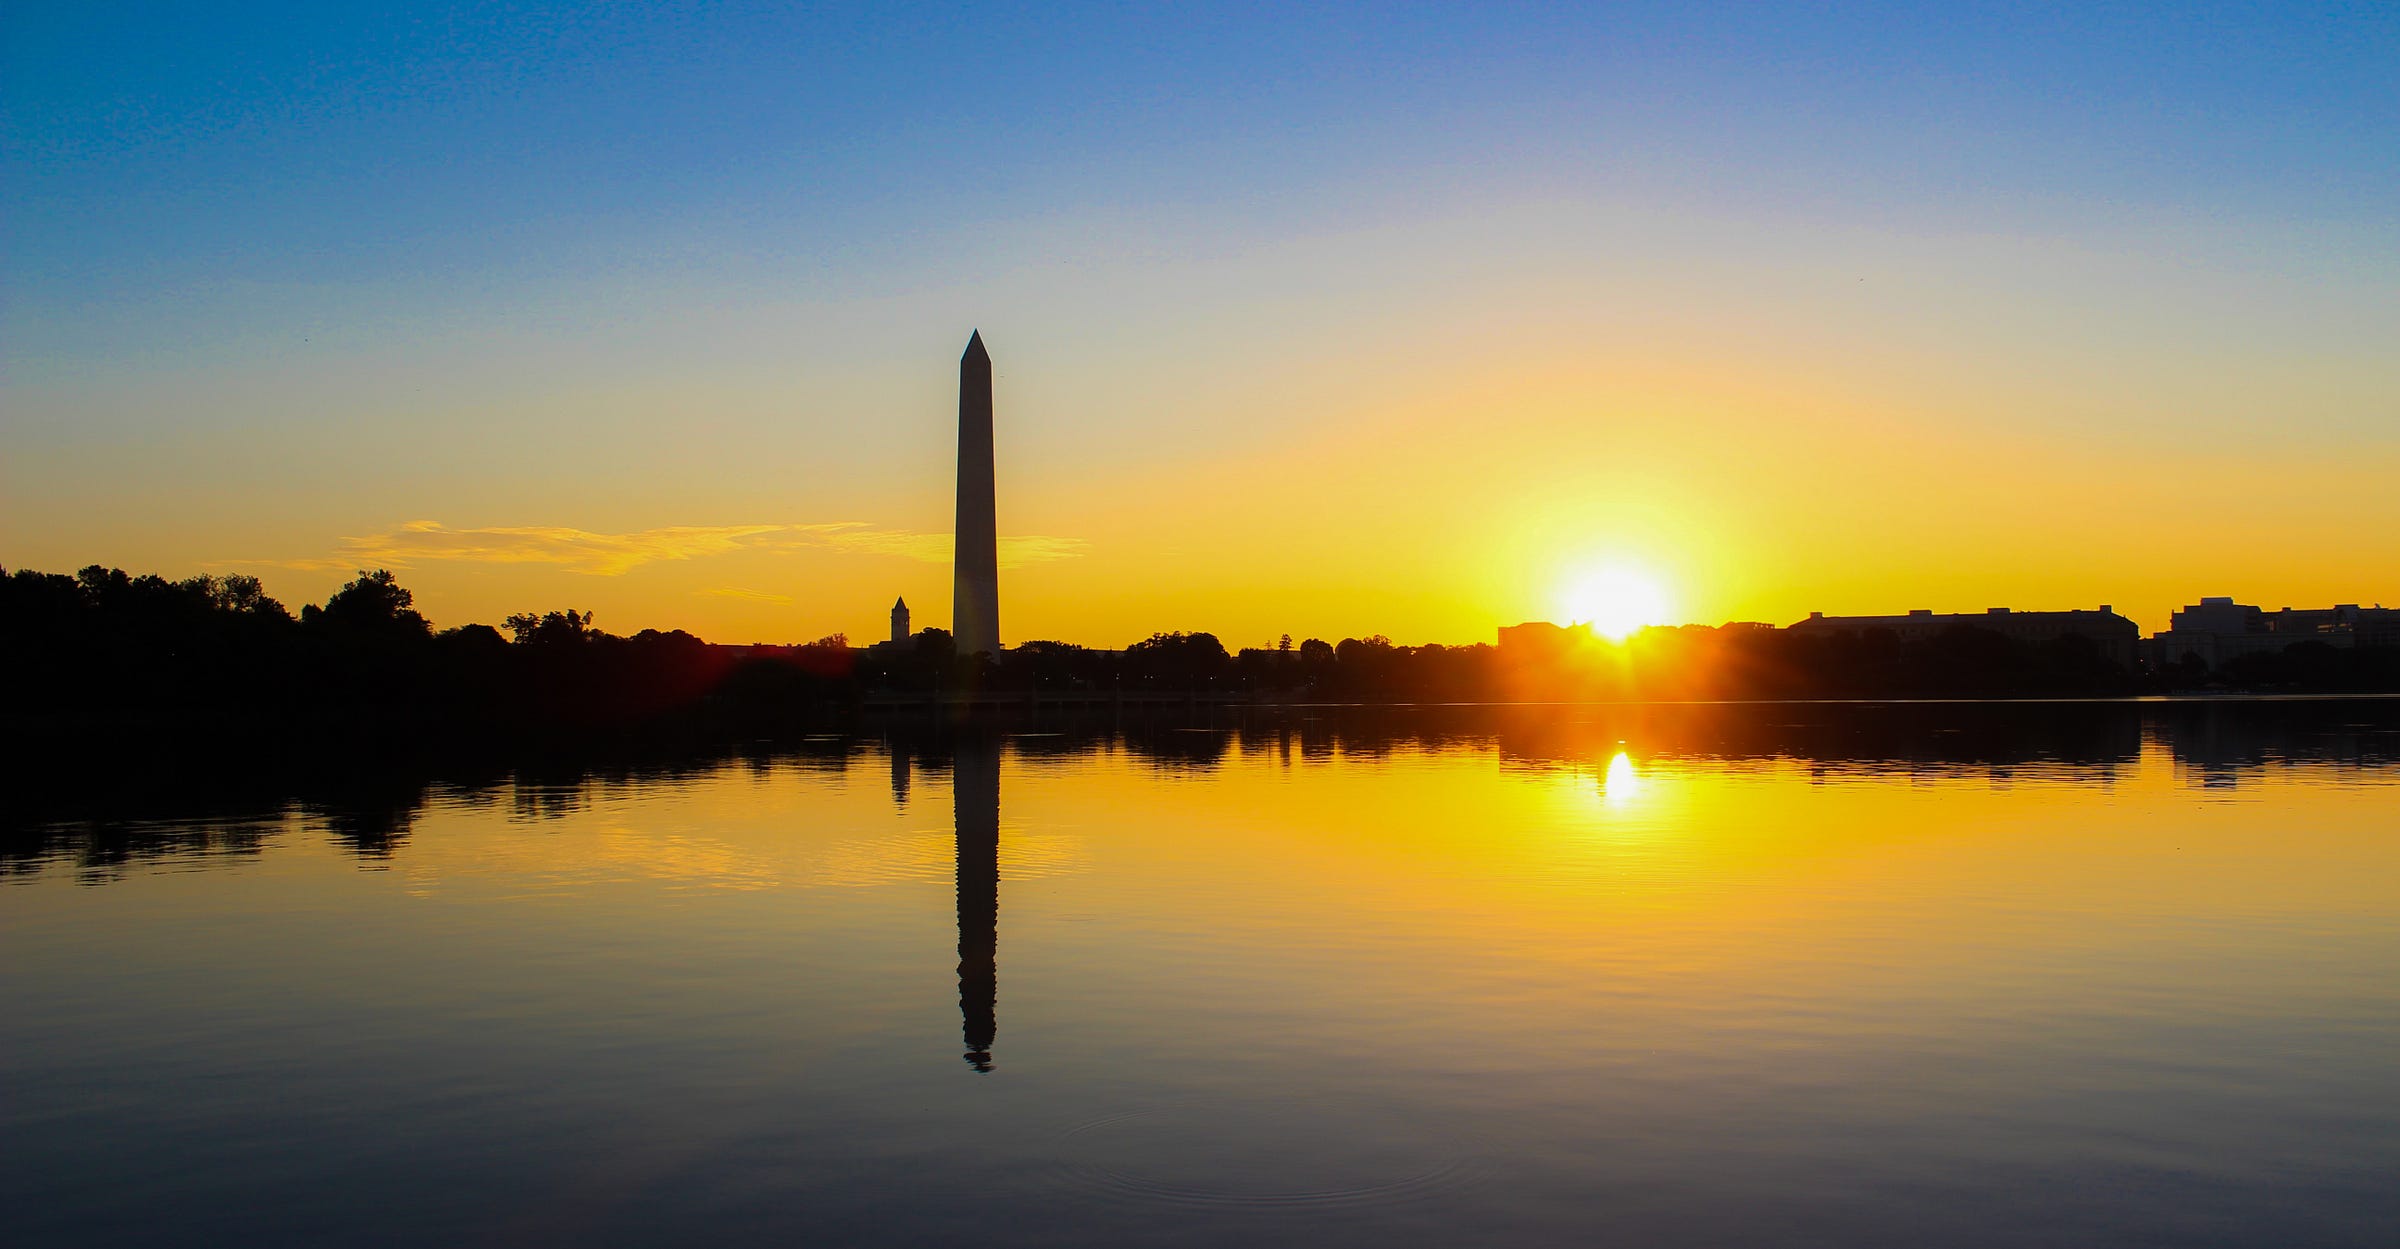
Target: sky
[1346,320]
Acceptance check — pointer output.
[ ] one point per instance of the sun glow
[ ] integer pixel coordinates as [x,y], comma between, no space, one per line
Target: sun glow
[1620,785]
[1616,601]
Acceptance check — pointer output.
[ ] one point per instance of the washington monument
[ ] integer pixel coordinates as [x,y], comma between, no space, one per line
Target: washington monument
[975,580]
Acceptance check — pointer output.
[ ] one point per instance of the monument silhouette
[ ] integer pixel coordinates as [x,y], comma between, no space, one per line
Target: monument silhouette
[900,620]
[975,794]
[975,585]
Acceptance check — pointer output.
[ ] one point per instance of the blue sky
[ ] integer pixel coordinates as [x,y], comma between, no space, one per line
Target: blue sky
[153,145]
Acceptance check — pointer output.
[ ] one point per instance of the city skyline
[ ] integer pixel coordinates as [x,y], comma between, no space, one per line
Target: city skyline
[1343,336]
[1612,600]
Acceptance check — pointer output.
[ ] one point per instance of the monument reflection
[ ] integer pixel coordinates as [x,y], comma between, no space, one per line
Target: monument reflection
[975,790]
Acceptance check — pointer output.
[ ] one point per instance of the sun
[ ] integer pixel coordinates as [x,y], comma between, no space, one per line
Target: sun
[1617,600]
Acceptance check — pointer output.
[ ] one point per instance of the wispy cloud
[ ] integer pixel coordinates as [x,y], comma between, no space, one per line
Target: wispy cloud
[1035,549]
[935,548]
[577,550]
[931,548]
[326,564]
[612,554]
[751,596]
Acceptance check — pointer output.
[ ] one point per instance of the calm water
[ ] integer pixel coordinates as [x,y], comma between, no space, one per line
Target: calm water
[1764,976]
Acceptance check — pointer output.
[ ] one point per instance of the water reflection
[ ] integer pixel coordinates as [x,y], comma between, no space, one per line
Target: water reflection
[228,800]
[98,851]
[1621,785]
[373,817]
[1770,975]
[975,786]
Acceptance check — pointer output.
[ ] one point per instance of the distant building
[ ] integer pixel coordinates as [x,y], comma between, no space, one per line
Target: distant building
[2118,638]
[2216,630]
[900,620]
[1539,640]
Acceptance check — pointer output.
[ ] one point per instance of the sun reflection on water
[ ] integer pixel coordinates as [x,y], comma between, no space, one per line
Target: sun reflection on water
[1621,785]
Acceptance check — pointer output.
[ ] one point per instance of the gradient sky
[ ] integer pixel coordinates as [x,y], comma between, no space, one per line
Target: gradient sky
[1344,321]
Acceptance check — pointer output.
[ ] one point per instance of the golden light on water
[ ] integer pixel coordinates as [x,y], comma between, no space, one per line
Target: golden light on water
[1616,600]
[1620,784]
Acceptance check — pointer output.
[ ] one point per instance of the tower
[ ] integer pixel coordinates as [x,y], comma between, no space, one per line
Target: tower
[900,620]
[975,583]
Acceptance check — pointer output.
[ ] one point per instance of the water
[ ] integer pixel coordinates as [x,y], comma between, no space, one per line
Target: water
[1761,976]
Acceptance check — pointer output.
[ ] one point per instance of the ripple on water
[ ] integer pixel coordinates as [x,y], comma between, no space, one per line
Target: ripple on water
[1260,1153]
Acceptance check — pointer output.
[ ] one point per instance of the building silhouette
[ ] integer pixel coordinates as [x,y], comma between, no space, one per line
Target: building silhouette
[900,620]
[975,584]
[2117,637]
[2217,629]
[1540,641]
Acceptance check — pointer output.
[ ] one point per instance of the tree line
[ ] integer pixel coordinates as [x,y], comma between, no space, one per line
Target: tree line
[105,642]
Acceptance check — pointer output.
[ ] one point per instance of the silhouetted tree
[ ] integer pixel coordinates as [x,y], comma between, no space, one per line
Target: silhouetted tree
[374,603]
[1177,660]
[237,592]
[557,628]
[103,640]
[1043,665]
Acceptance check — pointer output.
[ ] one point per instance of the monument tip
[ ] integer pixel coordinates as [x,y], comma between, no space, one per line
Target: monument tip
[975,343]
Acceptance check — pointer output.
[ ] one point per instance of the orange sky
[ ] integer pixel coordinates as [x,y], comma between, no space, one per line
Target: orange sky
[1319,445]
[1918,352]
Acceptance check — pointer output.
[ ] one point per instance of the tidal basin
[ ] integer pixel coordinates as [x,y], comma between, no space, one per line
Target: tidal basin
[2121,973]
